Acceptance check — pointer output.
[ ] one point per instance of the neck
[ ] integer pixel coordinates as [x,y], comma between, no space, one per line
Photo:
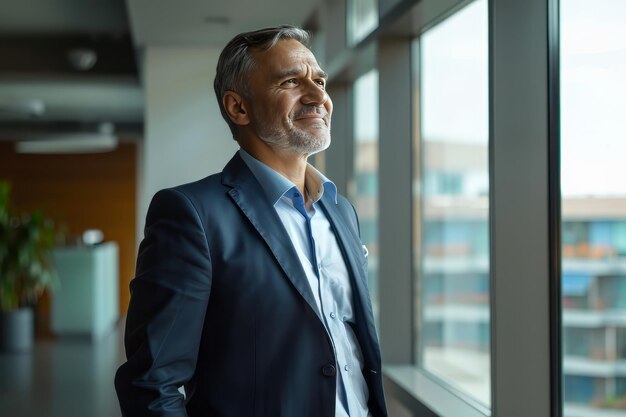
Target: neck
[290,165]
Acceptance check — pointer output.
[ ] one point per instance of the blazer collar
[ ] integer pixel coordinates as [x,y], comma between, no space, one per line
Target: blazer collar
[276,185]
[249,195]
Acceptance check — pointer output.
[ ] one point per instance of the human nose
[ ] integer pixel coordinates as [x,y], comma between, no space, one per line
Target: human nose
[314,93]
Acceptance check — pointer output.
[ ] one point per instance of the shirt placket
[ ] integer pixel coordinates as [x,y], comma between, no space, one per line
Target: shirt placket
[298,204]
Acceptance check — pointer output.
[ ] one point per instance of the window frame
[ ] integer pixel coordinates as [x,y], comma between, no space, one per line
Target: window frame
[524,202]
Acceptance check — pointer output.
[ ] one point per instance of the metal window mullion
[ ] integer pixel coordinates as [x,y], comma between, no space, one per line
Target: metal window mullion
[338,160]
[395,201]
[554,201]
[520,208]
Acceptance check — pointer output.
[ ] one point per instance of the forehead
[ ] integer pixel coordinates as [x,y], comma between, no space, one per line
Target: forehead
[286,54]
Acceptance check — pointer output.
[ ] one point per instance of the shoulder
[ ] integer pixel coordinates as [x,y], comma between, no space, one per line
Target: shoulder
[194,196]
[200,188]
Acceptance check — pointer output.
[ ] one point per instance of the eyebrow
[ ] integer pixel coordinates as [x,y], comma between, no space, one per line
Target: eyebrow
[319,73]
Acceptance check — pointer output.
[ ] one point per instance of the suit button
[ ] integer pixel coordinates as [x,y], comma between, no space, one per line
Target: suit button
[328,370]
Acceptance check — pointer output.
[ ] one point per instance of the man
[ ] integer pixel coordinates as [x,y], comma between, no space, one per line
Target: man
[251,284]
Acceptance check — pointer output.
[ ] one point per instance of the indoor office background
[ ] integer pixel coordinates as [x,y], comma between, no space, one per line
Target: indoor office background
[482,143]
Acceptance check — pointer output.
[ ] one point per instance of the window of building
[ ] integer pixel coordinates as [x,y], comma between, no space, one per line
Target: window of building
[365,185]
[362,19]
[453,318]
[593,146]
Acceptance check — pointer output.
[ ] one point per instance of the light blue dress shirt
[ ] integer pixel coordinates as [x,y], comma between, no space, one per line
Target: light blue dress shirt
[326,273]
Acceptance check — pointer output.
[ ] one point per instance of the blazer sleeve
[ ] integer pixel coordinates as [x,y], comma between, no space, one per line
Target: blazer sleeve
[169,297]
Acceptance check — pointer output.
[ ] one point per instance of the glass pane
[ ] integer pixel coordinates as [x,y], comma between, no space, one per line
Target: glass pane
[452,191]
[365,185]
[593,173]
[362,19]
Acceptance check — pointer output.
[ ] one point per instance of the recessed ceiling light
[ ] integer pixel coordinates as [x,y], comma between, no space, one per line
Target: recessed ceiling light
[71,143]
[82,59]
[103,140]
[21,108]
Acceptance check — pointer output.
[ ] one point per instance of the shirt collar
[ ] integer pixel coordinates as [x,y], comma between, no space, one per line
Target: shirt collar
[276,185]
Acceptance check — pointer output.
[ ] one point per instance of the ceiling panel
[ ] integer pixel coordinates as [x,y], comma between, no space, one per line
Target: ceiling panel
[63,16]
[210,23]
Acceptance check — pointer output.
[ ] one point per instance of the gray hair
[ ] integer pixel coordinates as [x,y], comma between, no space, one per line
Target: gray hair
[236,60]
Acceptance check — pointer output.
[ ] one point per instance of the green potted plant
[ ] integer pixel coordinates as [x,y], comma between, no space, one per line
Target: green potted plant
[25,271]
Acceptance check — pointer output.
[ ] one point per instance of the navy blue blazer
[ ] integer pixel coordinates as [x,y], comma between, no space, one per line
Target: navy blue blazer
[221,305]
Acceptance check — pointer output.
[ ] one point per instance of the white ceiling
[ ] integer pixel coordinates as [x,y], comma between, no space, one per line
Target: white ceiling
[209,22]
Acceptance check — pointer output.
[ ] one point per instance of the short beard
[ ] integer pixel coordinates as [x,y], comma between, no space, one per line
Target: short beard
[294,140]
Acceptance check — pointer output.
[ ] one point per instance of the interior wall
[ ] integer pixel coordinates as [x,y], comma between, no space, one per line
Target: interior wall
[80,192]
[185,136]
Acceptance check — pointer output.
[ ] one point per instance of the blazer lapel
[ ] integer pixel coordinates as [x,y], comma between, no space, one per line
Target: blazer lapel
[248,194]
[350,244]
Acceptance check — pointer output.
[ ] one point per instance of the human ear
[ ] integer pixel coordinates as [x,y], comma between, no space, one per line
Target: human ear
[235,108]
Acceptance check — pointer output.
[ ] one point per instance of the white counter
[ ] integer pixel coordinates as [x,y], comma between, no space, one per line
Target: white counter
[87,300]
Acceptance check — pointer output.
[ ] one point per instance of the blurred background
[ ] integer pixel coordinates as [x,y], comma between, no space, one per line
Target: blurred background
[481,142]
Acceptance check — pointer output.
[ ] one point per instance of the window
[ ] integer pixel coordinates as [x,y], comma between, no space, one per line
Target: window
[365,185]
[362,19]
[452,191]
[593,205]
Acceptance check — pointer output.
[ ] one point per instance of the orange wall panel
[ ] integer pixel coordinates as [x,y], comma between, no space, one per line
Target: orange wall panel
[80,192]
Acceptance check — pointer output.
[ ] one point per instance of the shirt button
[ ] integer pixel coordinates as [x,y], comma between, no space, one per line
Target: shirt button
[347,368]
[328,370]
[332,314]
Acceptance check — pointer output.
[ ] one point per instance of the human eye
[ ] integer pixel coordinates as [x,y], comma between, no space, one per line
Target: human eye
[290,82]
[321,82]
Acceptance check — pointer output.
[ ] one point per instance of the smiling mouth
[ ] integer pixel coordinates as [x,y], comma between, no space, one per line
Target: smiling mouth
[312,117]
[311,112]
[313,121]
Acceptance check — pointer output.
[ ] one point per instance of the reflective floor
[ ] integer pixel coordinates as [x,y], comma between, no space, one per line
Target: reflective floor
[62,378]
